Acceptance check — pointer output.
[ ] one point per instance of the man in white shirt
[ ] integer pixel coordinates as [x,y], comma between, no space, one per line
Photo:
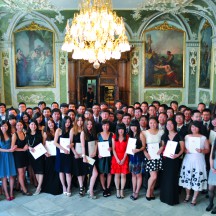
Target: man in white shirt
[3,112]
[96,113]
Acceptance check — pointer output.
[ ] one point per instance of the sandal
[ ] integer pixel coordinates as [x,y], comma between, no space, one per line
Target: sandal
[193,202]
[82,191]
[122,194]
[187,198]
[117,194]
[105,193]
[27,193]
[108,192]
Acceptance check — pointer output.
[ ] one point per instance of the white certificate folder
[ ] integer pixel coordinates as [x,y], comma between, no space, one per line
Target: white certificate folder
[153,148]
[91,147]
[170,148]
[131,145]
[39,150]
[193,144]
[51,148]
[64,142]
[78,148]
[103,149]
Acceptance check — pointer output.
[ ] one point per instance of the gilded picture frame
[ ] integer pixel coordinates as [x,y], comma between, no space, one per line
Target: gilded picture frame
[164,49]
[34,57]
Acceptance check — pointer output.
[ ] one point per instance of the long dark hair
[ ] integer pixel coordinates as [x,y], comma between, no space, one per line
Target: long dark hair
[118,127]
[37,129]
[8,132]
[47,129]
[174,124]
[135,123]
[63,124]
[86,132]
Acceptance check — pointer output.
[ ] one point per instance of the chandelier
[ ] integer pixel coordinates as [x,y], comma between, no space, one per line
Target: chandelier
[96,34]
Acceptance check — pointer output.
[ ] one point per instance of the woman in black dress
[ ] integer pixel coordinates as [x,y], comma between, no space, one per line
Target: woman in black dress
[25,117]
[169,192]
[20,155]
[51,182]
[33,138]
[79,168]
[64,160]
[88,135]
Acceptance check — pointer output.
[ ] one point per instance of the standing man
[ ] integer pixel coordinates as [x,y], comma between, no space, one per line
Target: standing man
[2,112]
[89,97]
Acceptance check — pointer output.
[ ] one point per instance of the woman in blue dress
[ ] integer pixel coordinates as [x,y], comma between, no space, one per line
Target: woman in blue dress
[7,165]
[104,163]
[136,161]
[64,160]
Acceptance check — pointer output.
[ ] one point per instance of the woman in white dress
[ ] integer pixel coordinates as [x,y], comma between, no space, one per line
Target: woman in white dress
[193,171]
[152,137]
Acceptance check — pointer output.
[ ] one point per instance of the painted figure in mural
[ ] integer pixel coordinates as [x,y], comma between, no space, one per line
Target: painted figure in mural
[21,65]
[40,70]
[170,73]
[149,53]
[170,59]
[205,74]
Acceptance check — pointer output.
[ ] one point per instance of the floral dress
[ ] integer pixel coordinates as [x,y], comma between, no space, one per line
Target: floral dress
[193,171]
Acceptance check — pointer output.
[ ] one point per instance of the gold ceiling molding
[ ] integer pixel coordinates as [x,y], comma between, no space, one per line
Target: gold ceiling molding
[33,27]
[165,27]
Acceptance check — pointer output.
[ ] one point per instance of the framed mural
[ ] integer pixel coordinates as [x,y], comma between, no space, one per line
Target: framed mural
[34,54]
[164,56]
[205,56]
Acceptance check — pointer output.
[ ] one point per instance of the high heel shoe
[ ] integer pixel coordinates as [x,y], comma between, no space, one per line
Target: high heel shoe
[134,196]
[82,191]
[122,194]
[117,194]
[193,202]
[187,198]
[148,198]
[37,192]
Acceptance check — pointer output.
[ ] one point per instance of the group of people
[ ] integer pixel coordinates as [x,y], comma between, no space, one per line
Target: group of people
[152,130]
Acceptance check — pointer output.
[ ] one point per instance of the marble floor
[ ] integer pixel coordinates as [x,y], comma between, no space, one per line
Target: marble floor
[61,205]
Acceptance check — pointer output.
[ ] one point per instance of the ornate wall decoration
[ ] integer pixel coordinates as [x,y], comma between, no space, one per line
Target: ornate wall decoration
[5,64]
[193,61]
[35,97]
[163,96]
[204,97]
[135,62]
[62,63]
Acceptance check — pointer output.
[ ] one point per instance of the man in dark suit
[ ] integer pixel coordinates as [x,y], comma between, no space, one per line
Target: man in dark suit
[181,128]
[56,115]
[206,116]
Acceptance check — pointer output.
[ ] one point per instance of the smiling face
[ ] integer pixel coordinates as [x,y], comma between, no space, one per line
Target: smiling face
[4,128]
[19,126]
[153,124]
[170,126]
[89,125]
[194,129]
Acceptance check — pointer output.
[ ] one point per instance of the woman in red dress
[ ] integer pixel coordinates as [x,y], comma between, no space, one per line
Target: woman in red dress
[120,161]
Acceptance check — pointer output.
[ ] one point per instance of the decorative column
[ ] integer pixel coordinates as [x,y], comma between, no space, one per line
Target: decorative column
[191,83]
[5,76]
[214,69]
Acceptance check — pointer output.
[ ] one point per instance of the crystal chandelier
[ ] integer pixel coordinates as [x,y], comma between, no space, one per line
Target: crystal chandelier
[96,34]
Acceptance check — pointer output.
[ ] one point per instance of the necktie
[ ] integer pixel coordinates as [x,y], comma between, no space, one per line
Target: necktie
[206,125]
[178,129]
